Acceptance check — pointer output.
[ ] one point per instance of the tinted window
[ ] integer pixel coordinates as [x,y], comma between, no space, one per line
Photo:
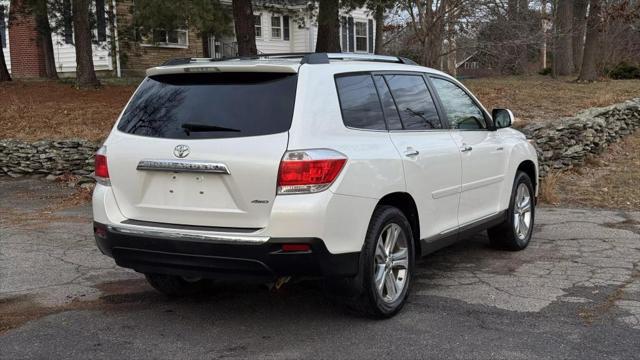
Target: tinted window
[414,102]
[359,102]
[388,106]
[217,105]
[461,110]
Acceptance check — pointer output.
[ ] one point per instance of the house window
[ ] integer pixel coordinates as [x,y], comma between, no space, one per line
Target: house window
[285,25]
[164,38]
[67,22]
[101,21]
[257,19]
[361,36]
[276,27]
[3,28]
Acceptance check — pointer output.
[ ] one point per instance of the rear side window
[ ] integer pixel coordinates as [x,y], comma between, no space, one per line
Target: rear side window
[413,100]
[211,105]
[359,102]
[388,106]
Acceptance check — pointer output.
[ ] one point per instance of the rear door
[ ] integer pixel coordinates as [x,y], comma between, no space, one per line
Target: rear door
[482,152]
[202,149]
[430,156]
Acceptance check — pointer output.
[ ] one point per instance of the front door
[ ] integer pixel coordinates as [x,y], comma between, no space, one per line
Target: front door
[482,152]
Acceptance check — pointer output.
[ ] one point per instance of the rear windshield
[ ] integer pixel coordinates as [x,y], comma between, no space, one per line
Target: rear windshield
[211,105]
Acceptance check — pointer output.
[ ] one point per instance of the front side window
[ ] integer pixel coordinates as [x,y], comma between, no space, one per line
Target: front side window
[462,112]
[258,24]
[359,102]
[414,102]
[276,27]
[211,105]
[361,36]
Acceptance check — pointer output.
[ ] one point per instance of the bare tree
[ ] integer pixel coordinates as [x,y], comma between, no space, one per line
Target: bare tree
[245,27]
[588,72]
[328,27]
[85,72]
[430,21]
[563,46]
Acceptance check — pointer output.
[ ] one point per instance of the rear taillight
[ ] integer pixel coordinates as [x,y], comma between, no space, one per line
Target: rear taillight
[309,171]
[101,167]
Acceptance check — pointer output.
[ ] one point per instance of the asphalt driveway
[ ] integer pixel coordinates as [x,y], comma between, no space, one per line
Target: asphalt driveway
[574,293]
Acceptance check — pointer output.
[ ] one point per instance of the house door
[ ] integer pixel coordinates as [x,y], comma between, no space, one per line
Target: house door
[215,48]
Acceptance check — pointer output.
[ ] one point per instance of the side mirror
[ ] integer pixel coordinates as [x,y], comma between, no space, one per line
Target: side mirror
[502,118]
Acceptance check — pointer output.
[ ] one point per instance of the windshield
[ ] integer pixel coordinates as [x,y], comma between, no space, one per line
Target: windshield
[211,105]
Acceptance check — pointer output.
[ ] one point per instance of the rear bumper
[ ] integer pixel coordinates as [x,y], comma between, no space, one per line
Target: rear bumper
[202,258]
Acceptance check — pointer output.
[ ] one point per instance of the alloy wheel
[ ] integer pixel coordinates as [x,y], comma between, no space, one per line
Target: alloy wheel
[522,212]
[391,263]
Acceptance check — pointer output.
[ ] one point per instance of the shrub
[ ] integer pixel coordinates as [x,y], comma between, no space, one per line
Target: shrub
[624,71]
[546,71]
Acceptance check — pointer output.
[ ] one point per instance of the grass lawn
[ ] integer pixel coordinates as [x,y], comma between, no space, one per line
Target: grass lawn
[541,98]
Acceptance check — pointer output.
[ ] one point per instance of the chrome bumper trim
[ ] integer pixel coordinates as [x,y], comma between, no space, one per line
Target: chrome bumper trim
[215,238]
[191,166]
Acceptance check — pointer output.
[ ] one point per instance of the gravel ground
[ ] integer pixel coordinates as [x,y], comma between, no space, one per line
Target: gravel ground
[573,294]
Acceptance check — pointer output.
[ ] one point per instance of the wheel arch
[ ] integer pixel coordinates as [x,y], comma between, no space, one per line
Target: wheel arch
[405,203]
[529,168]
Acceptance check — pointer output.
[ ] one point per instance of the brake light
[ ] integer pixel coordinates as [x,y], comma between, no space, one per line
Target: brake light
[101,167]
[309,171]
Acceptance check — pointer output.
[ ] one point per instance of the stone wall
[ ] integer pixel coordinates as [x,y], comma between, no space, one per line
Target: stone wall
[569,141]
[47,158]
[561,144]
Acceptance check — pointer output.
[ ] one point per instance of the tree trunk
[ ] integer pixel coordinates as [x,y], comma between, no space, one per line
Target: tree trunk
[379,18]
[523,48]
[543,30]
[588,71]
[85,72]
[579,21]
[328,27]
[245,27]
[44,39]
[563,54]
[4,73]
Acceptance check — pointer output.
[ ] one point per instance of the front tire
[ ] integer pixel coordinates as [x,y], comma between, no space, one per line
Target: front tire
[515,232]
[387,262]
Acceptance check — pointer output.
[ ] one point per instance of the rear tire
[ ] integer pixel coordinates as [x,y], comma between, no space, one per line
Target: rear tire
[515,232]
[386,264]
[175,286]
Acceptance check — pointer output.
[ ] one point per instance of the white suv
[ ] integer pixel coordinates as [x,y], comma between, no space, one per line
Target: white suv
[340,166]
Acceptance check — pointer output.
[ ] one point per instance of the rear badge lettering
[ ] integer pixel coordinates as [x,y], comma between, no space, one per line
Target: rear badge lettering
[260,201]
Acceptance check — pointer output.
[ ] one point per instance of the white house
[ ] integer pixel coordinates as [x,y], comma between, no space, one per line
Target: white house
[63,49]
[282,26]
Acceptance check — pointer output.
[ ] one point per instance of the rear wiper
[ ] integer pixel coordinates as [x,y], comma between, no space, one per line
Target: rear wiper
[188,127]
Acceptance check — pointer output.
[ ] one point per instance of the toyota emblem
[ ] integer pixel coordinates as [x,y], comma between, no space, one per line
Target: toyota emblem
[181,151]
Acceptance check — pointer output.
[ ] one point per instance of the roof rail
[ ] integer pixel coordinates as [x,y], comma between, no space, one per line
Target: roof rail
[306,58]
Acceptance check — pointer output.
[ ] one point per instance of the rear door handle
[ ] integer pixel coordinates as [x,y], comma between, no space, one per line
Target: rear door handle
[466,148]
[411,152]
